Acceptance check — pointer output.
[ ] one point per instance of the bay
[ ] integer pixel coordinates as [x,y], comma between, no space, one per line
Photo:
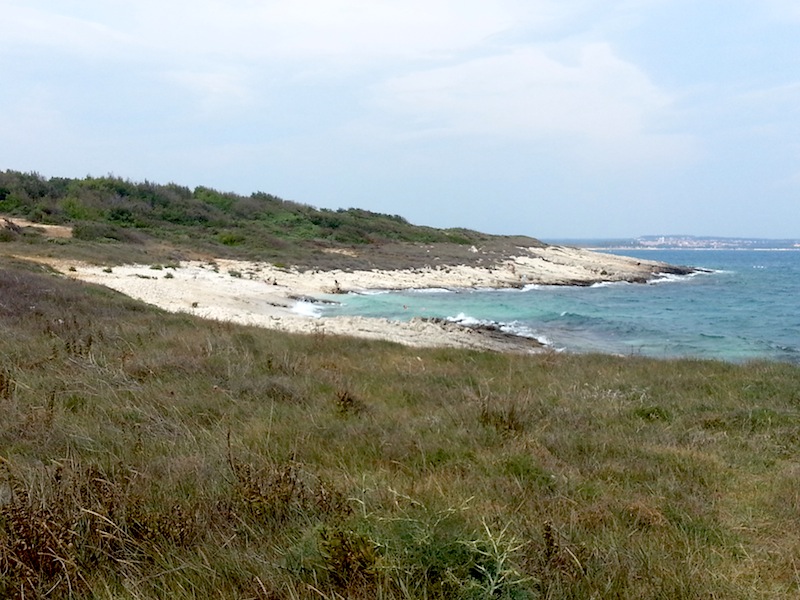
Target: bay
[745,308]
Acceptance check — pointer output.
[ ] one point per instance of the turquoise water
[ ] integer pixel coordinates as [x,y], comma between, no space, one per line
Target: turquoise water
[747,308]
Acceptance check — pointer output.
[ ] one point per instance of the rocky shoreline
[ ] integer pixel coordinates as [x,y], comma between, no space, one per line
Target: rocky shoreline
[266,295]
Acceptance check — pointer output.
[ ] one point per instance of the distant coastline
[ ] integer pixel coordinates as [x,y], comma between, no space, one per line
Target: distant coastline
[680,242]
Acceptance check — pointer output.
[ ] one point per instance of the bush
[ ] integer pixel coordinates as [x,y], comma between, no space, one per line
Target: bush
[93,231]
[231,239]
[6,235]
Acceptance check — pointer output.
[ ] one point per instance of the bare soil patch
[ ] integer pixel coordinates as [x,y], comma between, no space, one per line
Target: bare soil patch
[52,231]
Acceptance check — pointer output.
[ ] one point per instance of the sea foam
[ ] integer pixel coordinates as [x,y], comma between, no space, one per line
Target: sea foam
[307,309]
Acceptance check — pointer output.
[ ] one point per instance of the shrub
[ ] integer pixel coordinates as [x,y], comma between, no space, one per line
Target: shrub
[91,231]
[231,238]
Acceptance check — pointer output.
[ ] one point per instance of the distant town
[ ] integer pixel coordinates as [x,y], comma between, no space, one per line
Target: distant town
[712,243]
[687,242]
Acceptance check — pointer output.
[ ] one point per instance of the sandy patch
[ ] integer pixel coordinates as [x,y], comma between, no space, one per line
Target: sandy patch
[263,295]
[342,251]
[54,231]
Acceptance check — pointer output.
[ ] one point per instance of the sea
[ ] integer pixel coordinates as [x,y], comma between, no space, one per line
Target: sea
[743,306]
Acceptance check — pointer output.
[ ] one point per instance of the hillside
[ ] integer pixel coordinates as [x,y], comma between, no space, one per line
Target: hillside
[83,228]
[170,218]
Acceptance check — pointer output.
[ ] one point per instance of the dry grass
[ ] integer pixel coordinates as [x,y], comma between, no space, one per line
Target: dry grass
[149,455]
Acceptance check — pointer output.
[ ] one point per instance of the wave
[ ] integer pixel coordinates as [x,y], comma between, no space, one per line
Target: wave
[659,278]
[433,290]
[603,284]
[512,328]
[307,309]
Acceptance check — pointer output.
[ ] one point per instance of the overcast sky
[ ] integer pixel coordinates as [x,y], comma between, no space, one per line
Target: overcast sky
[550,118]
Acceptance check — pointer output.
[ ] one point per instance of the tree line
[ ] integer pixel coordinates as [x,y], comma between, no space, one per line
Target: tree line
[115,208]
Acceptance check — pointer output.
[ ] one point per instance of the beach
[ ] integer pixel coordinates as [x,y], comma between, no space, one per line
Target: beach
[282,298]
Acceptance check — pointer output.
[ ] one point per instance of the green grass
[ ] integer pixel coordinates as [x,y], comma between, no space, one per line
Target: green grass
[152,455]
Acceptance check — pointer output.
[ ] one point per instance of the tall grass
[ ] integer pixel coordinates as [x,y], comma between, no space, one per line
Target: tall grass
[151,455]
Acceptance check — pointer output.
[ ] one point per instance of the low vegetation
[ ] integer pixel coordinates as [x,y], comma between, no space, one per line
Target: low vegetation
[261,226]
[154,455]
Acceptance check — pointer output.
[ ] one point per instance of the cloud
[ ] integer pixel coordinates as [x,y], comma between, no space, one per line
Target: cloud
[31,28]
[447,67]
[786,95]
[332,31]
[218,50]
[783,9]
[585,93]
[218,89]
[351,31]
[21,121]
[357,32]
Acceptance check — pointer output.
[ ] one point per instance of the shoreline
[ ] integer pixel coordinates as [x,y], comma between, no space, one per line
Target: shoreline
[261,294]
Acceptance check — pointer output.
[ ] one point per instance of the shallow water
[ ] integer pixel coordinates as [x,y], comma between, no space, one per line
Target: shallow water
[747,308]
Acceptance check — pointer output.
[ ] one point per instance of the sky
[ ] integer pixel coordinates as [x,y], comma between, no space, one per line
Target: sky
[550,118]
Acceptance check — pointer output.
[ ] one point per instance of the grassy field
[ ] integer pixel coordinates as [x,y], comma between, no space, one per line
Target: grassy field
[153,455]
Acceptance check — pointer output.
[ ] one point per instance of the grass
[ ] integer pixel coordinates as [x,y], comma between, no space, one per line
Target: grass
[152,455]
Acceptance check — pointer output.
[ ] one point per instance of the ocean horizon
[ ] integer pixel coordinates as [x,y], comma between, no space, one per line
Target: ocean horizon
[742,306]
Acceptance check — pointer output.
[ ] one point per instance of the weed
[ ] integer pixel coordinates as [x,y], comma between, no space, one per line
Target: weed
[653,413]
[348,404]
[495,574]
[269,493]
[7,384]
[267,387]
[532,476]
[349,558]
[277,492]
[504,419]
